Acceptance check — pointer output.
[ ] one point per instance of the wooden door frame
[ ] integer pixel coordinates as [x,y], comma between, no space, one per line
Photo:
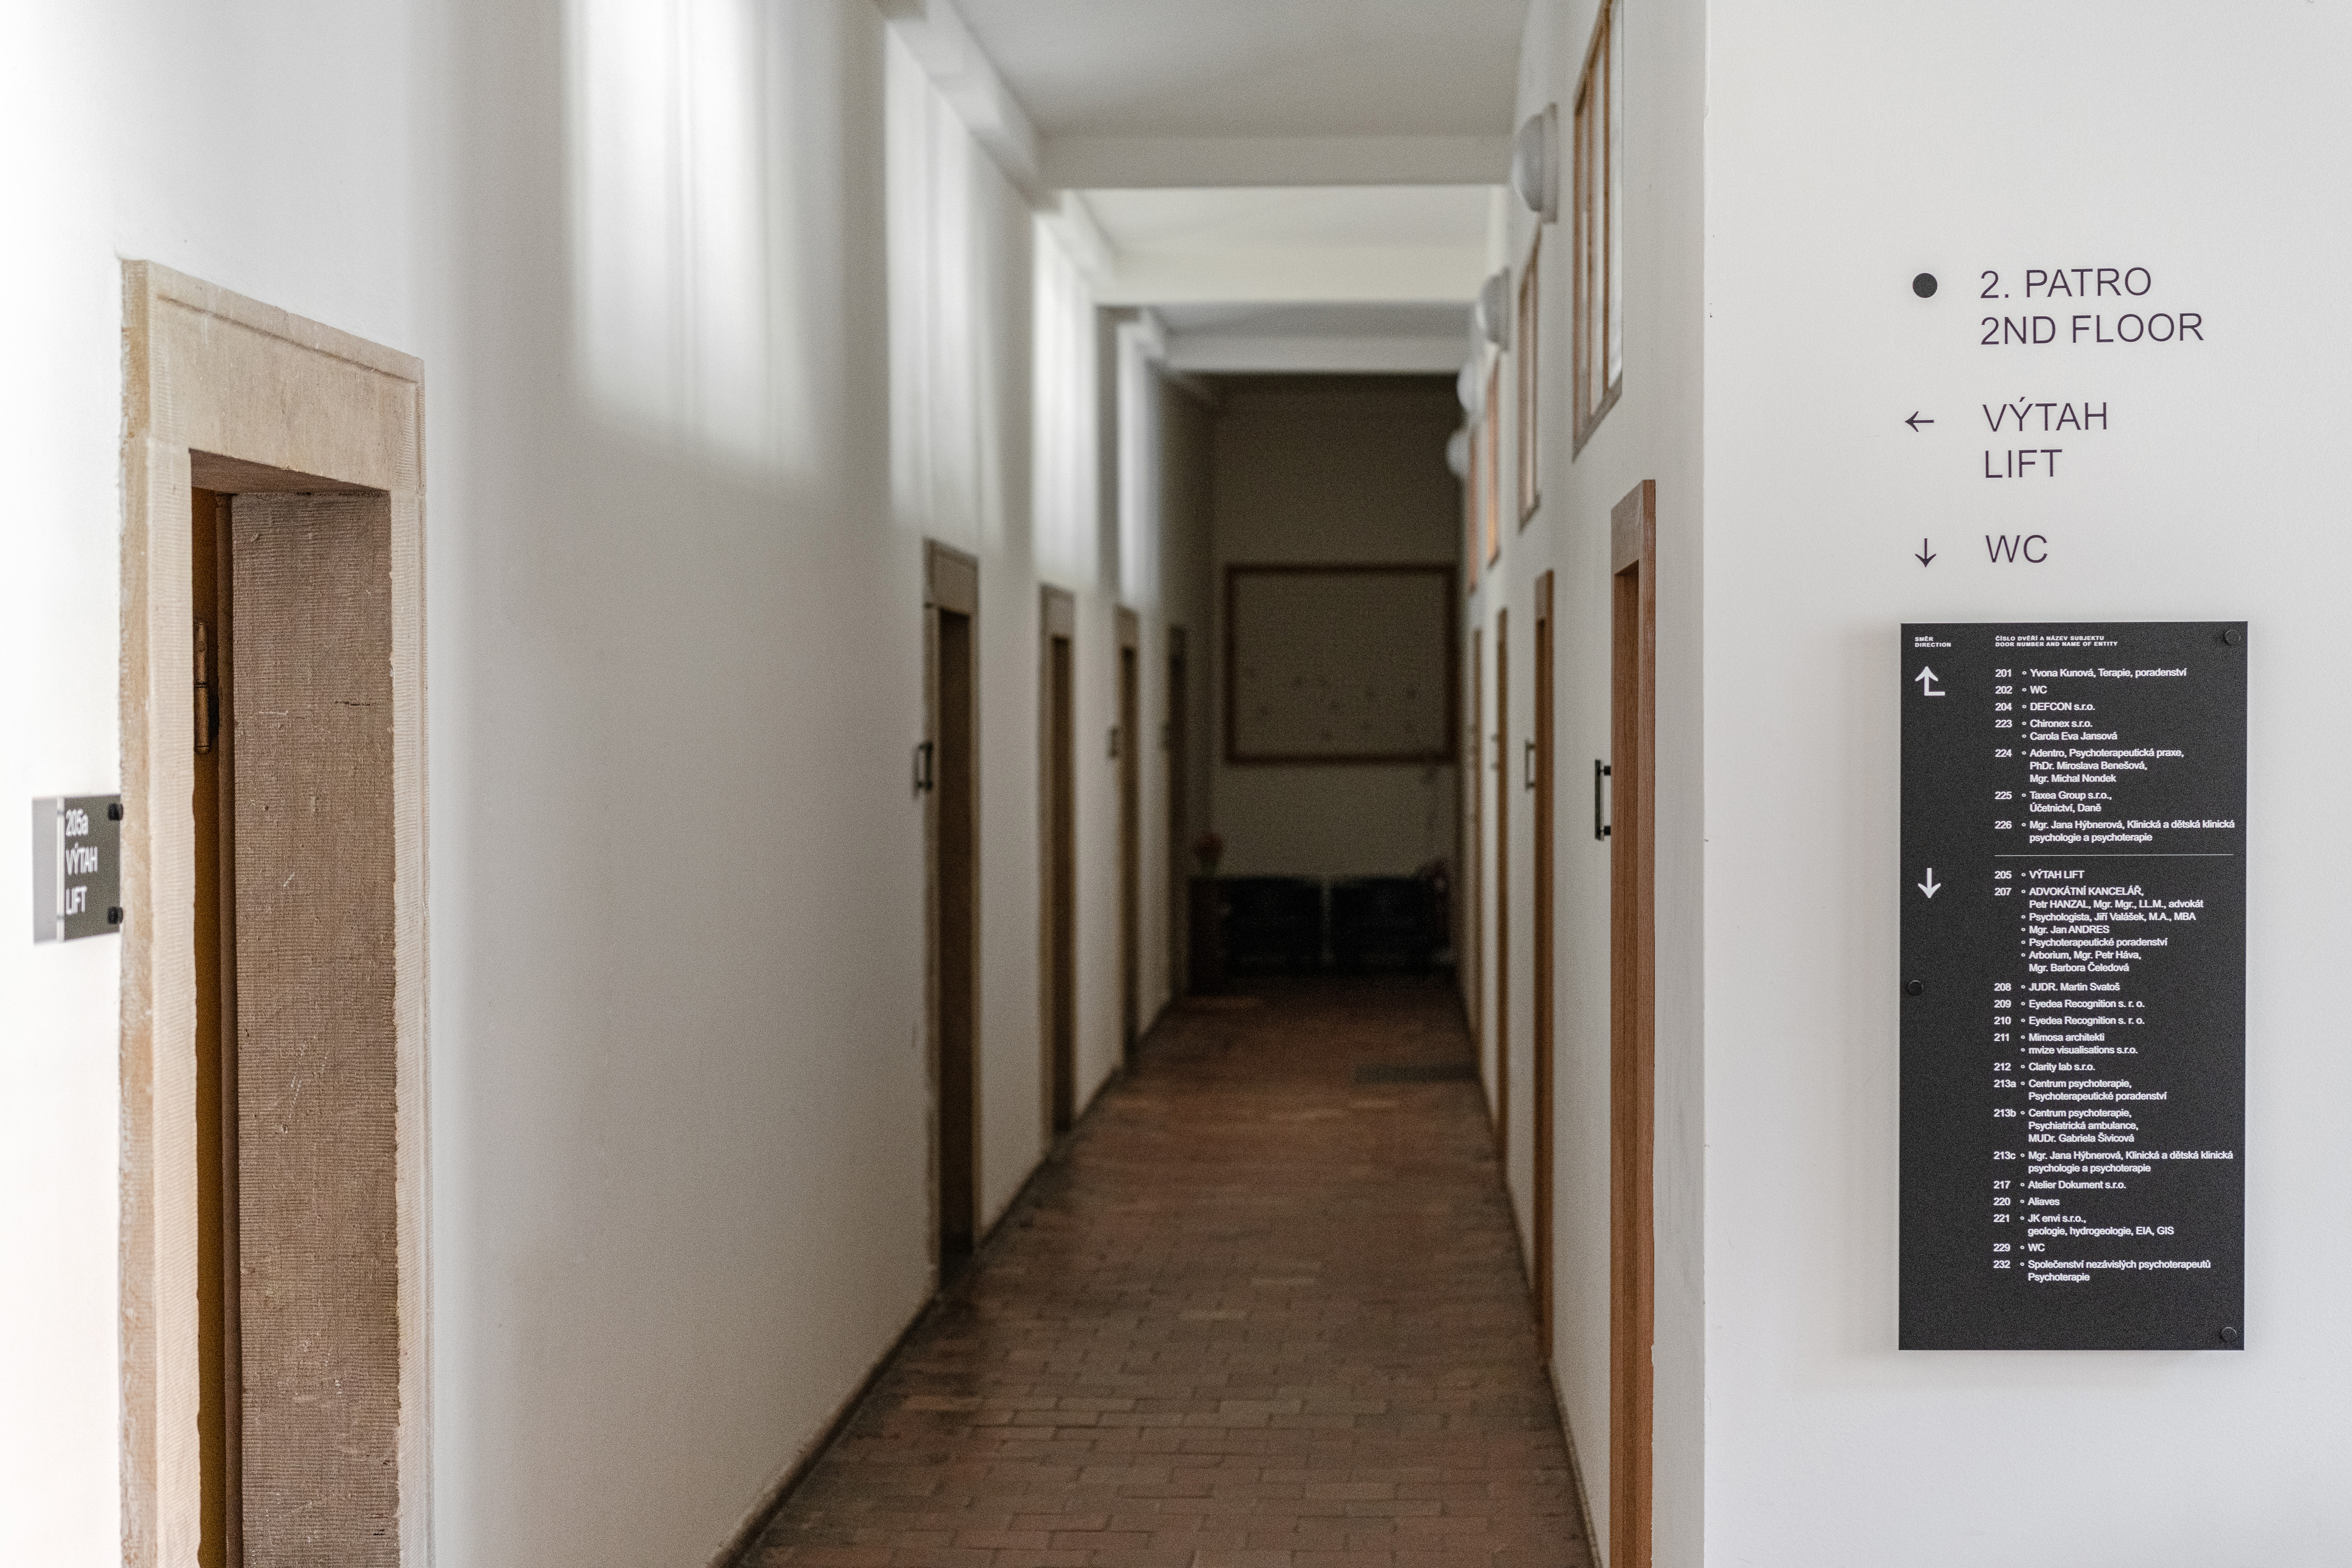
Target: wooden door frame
[220,1351]
[1176,749]
[224,392]
[1633,1021]
[950,586]
[1127,695]
[1502,863]
[1473,880]
[1058,617]
[1541,952]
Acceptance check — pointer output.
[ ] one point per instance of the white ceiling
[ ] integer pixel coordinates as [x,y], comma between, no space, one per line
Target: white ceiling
[1450,323]
[1225,338]
[1166,222]
[1230,69]
[1259,217]
[1372,244]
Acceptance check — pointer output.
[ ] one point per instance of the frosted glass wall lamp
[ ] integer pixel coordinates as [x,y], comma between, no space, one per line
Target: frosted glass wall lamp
[1494,309]
[1535,163]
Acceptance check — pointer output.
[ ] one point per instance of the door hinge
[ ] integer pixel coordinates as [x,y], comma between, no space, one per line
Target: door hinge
[207,710]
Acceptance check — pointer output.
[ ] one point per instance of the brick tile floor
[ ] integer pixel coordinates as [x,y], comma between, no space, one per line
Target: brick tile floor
[1258,1315]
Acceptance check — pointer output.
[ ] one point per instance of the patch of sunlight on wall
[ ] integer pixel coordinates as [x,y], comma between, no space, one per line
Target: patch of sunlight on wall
[1065,424]
[937,395]
[1140,344]
[688,319]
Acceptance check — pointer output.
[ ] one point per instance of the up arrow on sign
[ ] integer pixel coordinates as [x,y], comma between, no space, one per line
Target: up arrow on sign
[1926,678]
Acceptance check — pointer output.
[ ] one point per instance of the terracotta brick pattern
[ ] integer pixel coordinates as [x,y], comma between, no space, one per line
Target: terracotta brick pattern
[1258,1315]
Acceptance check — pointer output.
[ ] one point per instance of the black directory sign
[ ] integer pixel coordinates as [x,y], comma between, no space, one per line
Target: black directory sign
[2074,986]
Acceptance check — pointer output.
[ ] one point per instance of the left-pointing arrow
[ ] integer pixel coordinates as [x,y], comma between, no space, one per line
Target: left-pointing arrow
[1931,887]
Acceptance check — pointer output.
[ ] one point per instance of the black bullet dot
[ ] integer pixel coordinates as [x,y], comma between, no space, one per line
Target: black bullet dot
[2229,1336]
[1912,987]
[1924,285]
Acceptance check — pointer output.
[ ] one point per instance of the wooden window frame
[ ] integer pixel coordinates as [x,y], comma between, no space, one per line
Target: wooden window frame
[1491,476]
[1472,556]
[1528,347]
[1599,307]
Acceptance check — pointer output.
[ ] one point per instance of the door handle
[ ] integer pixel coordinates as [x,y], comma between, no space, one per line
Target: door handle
[1527,765]
[1599,771]
[923,780]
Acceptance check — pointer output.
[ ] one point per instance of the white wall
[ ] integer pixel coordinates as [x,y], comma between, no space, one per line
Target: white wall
[1652,433]
[679,1097]
[119,126]
[679,1084]
[1319,470]
[1187,428]
[1850,146]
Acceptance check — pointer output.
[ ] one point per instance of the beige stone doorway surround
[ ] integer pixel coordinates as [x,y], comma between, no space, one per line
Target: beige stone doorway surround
[226,393]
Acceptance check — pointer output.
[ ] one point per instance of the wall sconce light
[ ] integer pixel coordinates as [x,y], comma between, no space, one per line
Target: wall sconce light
[1495,309]
[1535,163]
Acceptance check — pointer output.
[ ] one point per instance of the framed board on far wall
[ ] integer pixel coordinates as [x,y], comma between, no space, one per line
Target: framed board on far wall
[1339,664]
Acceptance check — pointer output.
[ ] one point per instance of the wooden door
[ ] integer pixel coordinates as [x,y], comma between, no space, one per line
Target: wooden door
[1633,1056]
[1502,863]
[1540,1044]
[1177,754]
[308,849]
[220,1365]
[1474,881]
[1130,833]
[954,779]
[1061,869]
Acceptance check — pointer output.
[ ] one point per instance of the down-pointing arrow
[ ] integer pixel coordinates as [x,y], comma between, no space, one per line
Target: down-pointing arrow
[1931,887]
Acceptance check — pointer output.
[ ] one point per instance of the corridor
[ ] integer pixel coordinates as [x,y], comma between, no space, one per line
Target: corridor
[1266,1310]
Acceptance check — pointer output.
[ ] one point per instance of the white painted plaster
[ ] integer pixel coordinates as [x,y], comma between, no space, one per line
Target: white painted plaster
[1653,432]
[118,132]
[1848,148]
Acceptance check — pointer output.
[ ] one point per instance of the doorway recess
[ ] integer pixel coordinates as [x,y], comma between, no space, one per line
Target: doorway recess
[953,829]
[1057,802]
[317,957]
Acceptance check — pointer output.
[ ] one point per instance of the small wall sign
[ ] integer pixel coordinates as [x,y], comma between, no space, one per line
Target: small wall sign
[77,866]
